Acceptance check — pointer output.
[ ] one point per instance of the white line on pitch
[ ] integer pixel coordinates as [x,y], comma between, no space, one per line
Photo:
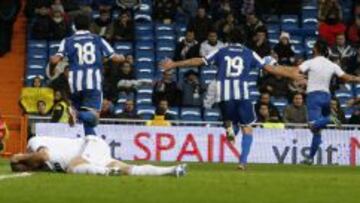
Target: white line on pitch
[19,175]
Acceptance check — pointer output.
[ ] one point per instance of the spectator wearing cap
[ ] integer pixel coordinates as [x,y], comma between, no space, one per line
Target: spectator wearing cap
[284,51]
[211,44]
[192,90]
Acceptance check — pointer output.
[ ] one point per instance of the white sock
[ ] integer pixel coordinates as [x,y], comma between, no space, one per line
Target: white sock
[150,170]
[90,169]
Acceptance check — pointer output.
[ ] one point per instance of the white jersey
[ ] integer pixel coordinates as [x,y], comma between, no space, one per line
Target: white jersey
[60,150]
[320,71]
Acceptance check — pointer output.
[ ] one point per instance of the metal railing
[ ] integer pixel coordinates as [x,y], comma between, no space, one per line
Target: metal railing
[118,121]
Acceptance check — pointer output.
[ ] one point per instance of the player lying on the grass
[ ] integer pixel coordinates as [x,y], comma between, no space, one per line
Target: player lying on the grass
[234,64]
[89,155]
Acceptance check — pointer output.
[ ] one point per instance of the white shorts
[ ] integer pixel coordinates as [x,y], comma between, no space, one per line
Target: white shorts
[96,151]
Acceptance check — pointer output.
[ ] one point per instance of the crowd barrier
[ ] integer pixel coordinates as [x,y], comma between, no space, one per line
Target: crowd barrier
[206,142]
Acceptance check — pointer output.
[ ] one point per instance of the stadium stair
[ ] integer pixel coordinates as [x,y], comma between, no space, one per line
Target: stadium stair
[12,67]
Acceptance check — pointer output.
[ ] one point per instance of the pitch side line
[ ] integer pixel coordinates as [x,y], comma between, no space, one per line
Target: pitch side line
[20,175]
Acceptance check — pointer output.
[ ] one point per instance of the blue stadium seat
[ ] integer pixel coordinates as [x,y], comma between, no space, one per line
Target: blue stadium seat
[143,100]
[144,65]
[298,49]
[343,95]
[161,55]
[182,71]
[273,28]
[212,114]
[142,17]
[145,54]
[174,112]
[30,78]
[144,73]
[146,112]
[122,97]
[143,27]
[145,91]
[280,103]
[118,109]
[296,39]
[309,44]
[289,23]
[170,38]
[144,45]
[164,30]
[37,49]
[145,7]
[348,112]
[191,114]
[53,47]
[123,48]
[274,19]
[310,24]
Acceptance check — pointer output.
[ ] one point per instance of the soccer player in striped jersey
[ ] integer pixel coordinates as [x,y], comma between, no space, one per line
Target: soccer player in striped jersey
[320,70]
[85,52]
[234,63]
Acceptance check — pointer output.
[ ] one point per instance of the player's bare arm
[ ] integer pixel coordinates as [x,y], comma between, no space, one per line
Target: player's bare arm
[193,62]
[350,78]
[284,71]
[54,60]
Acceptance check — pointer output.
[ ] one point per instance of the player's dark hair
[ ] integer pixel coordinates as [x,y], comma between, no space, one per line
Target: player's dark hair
[321,47]
[237,35]
[82,22]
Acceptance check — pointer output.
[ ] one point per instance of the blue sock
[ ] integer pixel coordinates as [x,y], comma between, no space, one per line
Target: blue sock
[245,147]
[89,120]
[322,122]
[89,130]
[316,141]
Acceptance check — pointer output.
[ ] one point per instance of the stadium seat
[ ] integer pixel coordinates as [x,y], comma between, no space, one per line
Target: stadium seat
[146,112]
[123,48]
[144,45]
[343,95]
[212,114]
[144,73]
[144,65]
[145,54]
[53,47]
[174,112]
[145,91]
[143,100]
[273,28]
[298,49]
[348,112]
[142,17]
[289,23]
[191,114]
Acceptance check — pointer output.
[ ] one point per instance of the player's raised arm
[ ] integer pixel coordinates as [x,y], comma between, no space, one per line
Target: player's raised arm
[193,62]
[57,58]
[285,71]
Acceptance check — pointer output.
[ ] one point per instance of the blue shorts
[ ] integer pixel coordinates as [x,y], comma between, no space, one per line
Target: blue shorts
[318,105]
[238,111]
[88,99]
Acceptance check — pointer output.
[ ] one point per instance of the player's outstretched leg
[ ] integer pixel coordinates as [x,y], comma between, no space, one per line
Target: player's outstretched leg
[246,142]
[90,119]
[150,170]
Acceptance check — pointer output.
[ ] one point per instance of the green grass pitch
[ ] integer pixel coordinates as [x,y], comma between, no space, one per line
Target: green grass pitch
[204,183]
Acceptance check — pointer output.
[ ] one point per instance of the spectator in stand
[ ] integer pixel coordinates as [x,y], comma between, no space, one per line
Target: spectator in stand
[130,59]
[344,52]
[103,25]
[59,26]
[107,109]
[327,7]
[37,82]
[60,110]
[260,43]
[166,89]
[296,111]
[188,47]
[277,86]
[330,28]
[211,44]
[41,108]
[189,7]
[8,12]
[129,111]
[165,10]
[200,24]
[355,116]
[123,28]
[252,24]
[221,8]
[128,5]
[226,25]
[264,115]
[336,110]
[37,7]
[192,90]
[61,82]
[41,29]
[265,100]
[355,68]
[162,110]
[284,51]
[125,79]
[353,33]
[248,7]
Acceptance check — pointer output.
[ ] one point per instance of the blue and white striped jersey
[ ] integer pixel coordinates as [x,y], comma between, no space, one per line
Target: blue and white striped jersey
[234,64]
[85,52]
